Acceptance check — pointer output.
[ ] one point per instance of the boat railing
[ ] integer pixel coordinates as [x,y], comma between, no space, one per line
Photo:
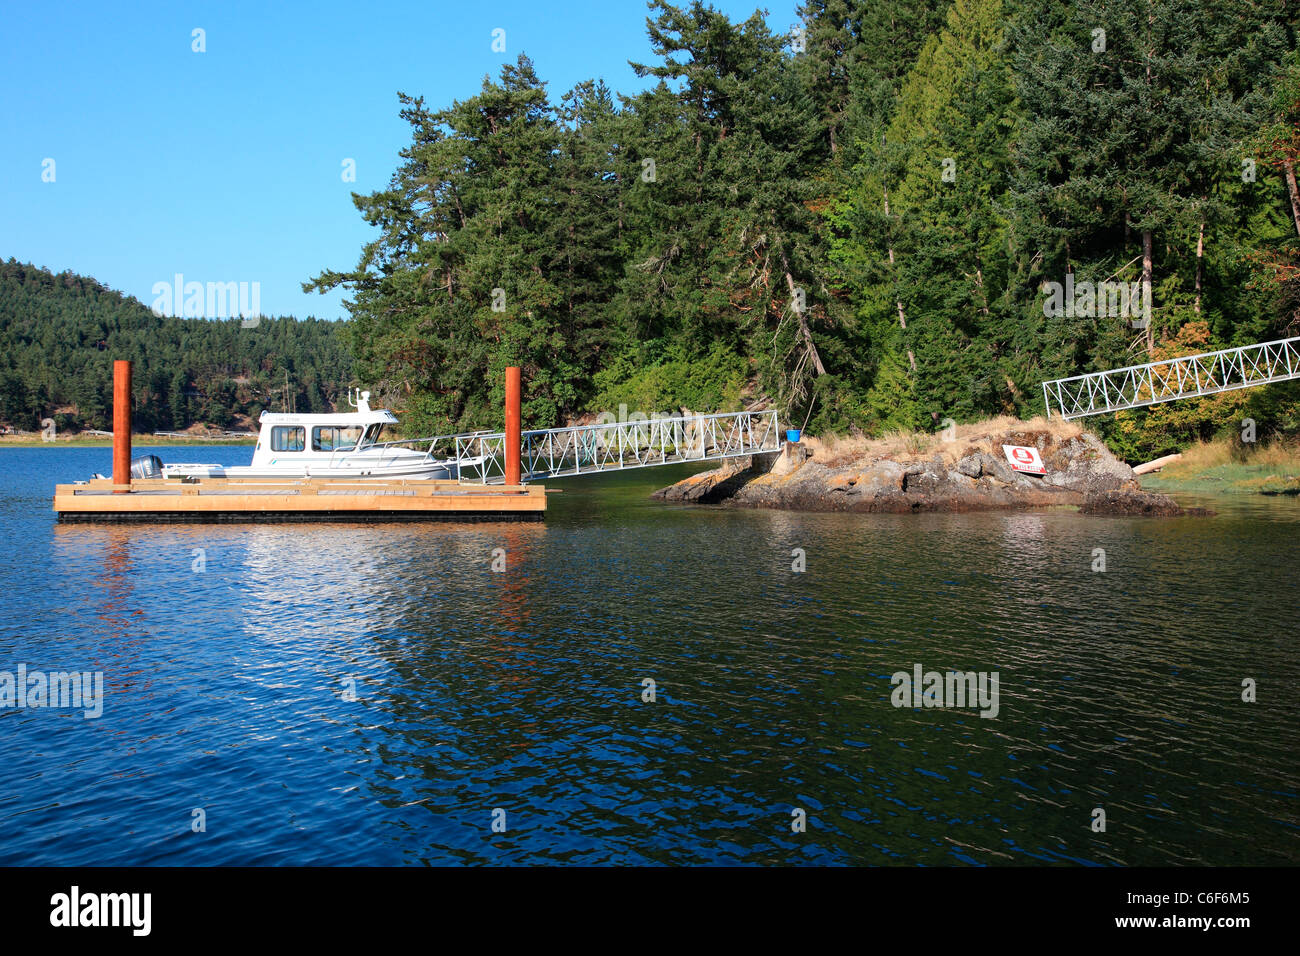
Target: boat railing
[429,446]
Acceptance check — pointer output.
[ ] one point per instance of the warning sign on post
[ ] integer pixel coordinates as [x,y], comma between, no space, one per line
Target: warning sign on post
[1024,459]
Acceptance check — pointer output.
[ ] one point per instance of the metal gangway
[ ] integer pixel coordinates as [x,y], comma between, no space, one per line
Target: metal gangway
[617,446]
[1170,379]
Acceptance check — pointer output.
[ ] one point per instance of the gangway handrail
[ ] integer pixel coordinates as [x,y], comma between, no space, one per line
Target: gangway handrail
[479,457]
[640,421]
[1167,380]
[613,446]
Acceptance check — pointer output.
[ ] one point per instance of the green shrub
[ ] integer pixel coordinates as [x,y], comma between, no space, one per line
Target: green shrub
[671,381]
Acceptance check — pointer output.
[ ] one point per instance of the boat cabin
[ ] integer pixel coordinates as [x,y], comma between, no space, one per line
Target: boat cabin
[284,435]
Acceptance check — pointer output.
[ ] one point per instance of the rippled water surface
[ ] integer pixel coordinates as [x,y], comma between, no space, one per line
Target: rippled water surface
[227,688]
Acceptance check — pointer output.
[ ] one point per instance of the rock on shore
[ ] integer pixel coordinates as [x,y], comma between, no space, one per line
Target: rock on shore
[966,474]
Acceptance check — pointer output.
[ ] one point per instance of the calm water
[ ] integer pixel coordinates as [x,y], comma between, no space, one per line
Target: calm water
[226,689]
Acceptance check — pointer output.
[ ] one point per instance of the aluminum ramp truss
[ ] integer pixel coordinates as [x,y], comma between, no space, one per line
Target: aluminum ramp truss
[1170,379]
[594,449]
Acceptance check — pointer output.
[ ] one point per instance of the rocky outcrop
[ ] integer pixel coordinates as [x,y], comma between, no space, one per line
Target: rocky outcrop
[970,476]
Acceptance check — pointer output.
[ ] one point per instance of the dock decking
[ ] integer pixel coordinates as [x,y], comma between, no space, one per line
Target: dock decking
[308,499]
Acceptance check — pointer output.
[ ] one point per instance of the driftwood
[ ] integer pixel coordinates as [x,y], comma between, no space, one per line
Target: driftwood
[1156,465]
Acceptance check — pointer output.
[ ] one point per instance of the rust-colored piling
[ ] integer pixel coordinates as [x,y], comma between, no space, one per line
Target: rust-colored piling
[513,426]
[121,423]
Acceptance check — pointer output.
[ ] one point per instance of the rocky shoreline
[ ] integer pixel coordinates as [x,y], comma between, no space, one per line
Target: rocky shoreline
[965,474]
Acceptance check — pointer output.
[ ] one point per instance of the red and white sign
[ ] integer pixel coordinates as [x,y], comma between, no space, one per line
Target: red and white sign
[1024,459]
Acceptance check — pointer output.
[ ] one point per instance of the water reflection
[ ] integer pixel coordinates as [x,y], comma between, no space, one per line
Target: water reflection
[522,689]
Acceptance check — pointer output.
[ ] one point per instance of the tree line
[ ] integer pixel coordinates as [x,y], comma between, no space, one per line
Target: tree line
[59,335]
[864,219]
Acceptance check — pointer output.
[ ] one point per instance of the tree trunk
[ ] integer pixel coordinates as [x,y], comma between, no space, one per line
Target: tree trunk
[1200,265]
[979,284]
[1146,289]
[804,331]
[902,318]
[1289,171]
[1146,233]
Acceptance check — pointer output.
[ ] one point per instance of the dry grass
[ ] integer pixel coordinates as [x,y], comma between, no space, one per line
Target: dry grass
[1279,456]
[835,450]
[1267,467]
[1201,456]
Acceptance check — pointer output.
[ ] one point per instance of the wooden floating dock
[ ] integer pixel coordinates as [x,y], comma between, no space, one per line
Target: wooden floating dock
[208,500]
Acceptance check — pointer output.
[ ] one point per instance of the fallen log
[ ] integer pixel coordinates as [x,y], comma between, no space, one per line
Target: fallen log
[1156,465]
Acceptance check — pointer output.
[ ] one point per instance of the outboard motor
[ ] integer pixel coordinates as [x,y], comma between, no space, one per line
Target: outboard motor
[147,466]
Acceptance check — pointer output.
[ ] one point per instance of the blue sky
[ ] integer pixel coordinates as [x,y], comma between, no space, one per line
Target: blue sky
[226,165]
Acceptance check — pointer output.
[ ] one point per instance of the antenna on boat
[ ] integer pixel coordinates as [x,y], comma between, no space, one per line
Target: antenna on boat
[362,403]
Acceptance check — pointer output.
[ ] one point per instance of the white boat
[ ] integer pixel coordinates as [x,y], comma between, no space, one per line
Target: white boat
[337,445]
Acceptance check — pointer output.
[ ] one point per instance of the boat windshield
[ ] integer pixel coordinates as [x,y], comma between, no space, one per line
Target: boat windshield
[371,436]
[334,438]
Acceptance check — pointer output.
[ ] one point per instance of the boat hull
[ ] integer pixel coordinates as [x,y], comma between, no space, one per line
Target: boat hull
[423,471]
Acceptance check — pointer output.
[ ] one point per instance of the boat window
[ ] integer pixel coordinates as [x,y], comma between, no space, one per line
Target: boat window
[288,438]
[372,433]
[334,438]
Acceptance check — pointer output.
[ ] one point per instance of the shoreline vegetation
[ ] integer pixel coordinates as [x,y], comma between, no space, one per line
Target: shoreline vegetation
[60,332]
[1232,467]
[1223,466]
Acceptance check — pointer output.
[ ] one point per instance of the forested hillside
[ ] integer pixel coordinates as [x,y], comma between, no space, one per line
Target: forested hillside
[859,218]
[60,333]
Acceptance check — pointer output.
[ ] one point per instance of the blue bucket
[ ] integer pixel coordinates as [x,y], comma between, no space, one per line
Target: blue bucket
[792,434]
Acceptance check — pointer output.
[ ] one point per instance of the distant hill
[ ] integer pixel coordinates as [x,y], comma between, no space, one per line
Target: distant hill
[59,335]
